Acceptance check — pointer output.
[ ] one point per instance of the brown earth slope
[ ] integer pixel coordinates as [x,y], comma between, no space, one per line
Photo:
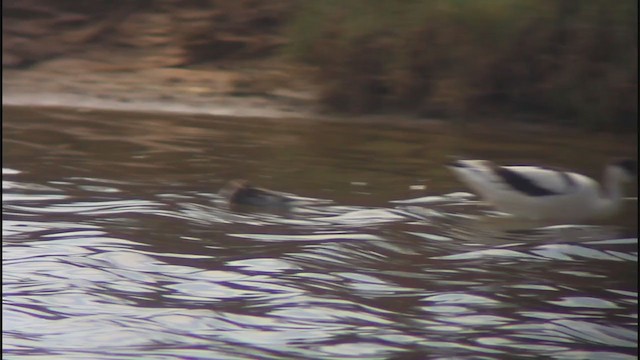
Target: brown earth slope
[203,53]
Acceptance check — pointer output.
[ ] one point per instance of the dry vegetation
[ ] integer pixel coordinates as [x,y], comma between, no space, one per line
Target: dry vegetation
[153,32]
[574,61]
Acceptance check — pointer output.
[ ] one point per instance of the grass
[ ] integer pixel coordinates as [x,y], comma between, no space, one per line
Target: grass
[574,61]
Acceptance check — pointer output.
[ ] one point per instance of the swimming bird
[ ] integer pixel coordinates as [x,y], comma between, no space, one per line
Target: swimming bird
[540,193]
[241,192]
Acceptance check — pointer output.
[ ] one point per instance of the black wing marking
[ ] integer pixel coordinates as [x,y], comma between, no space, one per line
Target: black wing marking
[524,184]
[569,181]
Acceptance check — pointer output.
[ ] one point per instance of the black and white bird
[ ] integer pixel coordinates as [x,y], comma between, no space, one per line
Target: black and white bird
[540,193]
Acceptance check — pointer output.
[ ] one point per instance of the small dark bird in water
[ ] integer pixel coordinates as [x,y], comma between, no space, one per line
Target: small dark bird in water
[241,192]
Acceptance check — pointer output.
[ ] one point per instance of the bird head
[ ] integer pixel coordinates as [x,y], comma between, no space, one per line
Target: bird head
[625,169]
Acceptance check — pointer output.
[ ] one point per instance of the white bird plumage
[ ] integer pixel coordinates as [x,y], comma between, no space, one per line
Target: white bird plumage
[540,193]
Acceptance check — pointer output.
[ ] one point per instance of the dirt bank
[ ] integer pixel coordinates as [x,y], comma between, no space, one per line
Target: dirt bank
[251,90]
[177,55]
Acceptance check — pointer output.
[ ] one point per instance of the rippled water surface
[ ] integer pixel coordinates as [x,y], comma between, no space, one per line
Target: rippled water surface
[115,245]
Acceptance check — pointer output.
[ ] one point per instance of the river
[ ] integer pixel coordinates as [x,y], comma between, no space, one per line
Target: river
[116,246]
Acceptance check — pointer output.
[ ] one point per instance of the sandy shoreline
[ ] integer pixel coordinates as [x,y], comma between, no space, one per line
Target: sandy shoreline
[229,92]
[256,90]
[251,91]
[221,106]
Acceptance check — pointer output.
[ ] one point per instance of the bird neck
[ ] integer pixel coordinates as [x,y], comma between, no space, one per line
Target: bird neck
[611,192]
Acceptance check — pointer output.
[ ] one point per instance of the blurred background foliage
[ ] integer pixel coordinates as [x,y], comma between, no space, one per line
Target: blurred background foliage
[575,60]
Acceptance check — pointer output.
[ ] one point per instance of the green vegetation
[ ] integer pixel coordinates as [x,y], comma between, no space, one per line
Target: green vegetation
[572,60]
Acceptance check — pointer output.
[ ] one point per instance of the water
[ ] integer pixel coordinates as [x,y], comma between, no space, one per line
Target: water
[115,247]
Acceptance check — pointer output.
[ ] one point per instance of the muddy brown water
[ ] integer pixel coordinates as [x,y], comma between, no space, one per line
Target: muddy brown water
[115,246]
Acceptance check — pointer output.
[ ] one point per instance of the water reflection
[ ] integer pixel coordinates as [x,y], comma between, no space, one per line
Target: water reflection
[116,246]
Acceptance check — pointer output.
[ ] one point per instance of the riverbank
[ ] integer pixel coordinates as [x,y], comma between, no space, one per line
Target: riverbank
[266,89]
[251,89]
[419,59]
[176,55]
